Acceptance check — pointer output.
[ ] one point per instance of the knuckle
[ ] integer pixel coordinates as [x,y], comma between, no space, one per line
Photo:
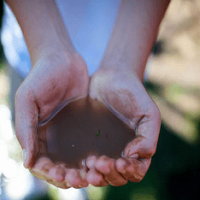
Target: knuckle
[109,164]
[157,113]
[59,171]
[151,152]
[148,152]
[95,182]
[121,165]
[104,158]
[22,93]
[73,173]
[93,178]
[18,94]
[138,179]
[104,165]
[92,158]
[74,182]
[90,161]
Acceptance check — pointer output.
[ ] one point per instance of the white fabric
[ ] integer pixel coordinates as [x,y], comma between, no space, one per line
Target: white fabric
[89,23]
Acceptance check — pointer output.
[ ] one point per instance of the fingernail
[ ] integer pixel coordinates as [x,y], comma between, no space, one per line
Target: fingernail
[84,162]
[83,174]
[122,154]
[24,156]
[134,156]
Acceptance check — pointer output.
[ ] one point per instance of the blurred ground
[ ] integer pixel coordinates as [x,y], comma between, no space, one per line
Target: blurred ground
[174,84]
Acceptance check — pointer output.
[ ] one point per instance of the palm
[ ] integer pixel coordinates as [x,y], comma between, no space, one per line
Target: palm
[55,79]
[126,96]
[52,80]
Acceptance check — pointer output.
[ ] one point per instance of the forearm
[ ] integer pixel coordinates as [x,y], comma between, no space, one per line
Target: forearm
[133,35]
[42,26]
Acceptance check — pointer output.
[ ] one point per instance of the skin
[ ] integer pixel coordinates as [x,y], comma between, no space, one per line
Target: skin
[138,110]
[118,83]
[59,73]
[35,100]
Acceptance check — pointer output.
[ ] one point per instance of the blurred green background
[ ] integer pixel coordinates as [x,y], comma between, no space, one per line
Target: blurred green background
[174,84]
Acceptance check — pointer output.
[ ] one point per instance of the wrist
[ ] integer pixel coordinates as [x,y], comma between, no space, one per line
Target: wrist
[42,26]
[124,66]
[117,73]
[50,47]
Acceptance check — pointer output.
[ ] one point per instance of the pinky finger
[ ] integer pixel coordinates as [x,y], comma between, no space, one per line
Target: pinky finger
[133,170]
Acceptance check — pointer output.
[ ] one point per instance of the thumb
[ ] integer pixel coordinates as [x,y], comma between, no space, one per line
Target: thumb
[147,132]
[26,113]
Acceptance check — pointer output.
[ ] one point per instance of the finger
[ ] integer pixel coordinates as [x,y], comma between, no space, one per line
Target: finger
[83,174]
[45,169]
[95,178]
[42,140]
[147,132]
[26,125]
[90,162]
[41,168]
[133,169]
[106,166]
[53,174]
[96,82]
[62,185]
[76,178]
[57,173]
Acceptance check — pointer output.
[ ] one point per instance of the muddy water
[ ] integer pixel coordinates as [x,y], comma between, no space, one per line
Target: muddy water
[81,128]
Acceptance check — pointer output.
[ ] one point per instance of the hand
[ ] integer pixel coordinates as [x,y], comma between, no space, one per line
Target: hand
[125,95]
[53,79]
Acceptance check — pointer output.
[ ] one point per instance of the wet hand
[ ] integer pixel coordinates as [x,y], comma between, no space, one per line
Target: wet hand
[53,79]
[125,95]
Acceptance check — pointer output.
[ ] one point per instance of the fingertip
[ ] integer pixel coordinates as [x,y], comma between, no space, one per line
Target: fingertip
[57,173]
[104,165]
[134,156]
[93,178]
[29,158]
[25,158]
[122,164]
[96,179]
[90,162]
[73,178]
[27,162]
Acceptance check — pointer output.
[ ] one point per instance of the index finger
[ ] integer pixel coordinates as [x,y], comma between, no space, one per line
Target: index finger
[133,169]
[26,123]
[147,132]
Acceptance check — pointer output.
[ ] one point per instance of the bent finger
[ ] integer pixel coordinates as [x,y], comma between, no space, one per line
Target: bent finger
[106,166]
[133,169]
[45,169]
[95,178]
[76,178]
[90,162]
[26,112]
[147,133]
